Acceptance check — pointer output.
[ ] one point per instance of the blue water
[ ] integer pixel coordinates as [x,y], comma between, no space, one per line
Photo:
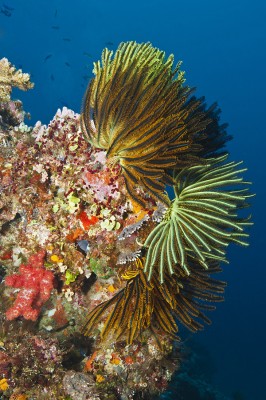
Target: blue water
[222,44]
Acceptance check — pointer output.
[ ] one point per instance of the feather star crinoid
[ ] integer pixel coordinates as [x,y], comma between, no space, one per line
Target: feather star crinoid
[139,111]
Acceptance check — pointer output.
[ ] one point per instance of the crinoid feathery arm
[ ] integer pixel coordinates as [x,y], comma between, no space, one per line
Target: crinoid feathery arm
[137,109]
[201,220]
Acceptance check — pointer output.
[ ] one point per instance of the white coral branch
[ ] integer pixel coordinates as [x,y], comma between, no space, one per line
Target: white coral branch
[11,77]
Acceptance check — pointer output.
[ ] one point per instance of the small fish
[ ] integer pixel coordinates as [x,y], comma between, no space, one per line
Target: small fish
[67,40]
[85,77]
[5,12]
[47,57]
[87,54]
[109,43]
[83,246]
[8,7]
[67,64]
[56,27]
[52,77]
[55,14]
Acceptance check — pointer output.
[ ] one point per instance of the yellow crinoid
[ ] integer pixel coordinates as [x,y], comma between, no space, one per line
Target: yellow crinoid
[132,308]
[137,109]
[151,305]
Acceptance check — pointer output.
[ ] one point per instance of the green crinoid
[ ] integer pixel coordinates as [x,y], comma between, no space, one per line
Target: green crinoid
[137,109]
[202,219]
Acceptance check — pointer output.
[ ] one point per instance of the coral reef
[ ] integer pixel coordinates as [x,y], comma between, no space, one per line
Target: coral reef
[99,265]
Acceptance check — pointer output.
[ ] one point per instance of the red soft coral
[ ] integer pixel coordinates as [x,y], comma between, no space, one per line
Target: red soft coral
[35,283]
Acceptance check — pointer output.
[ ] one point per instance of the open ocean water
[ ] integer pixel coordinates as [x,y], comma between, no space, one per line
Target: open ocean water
[223,48]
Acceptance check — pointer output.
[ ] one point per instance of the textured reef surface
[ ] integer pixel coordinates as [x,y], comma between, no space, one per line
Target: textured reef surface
[99,264]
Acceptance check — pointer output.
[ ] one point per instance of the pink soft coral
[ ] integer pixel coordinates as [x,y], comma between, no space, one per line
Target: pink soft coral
[35,283]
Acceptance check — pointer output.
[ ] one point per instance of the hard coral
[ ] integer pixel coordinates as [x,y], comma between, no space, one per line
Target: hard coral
[30,362]
[10,77]
[35,283]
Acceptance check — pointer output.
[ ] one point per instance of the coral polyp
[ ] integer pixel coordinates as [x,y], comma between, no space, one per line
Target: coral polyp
[113,224]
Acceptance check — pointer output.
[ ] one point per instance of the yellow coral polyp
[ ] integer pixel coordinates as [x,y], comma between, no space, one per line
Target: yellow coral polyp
[115,361]
[99,378]
[111,289]
[56,259]
[137,208]
[3,384]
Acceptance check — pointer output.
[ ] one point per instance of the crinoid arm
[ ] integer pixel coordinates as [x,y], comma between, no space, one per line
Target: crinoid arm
[137,109]
[185,297]
[202,219]
[142,305]
[132,308]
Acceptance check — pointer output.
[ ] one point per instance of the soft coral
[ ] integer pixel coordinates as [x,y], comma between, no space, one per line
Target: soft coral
[35,283]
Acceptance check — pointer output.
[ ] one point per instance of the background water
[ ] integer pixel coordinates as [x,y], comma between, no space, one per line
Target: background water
[222,44]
